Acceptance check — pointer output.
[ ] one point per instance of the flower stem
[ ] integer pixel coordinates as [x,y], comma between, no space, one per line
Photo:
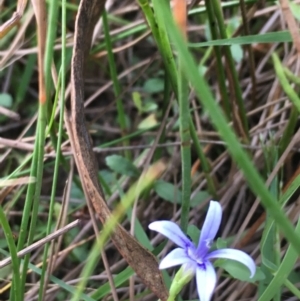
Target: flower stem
[182,277]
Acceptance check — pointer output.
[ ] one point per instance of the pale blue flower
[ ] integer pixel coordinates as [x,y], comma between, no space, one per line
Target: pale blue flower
[197,259]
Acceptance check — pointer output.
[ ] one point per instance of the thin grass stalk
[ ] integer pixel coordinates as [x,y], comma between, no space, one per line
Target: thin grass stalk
[39,176]
[204,162]
[185,137]
[166,100]
[249,49]
[132,135]
[221,78]
[28,200]
[180,15]
[15,293]
[51,120]
[238,92]
[52,128]
[62,81]
[293,97]
[289,130]
[50,41]
[205,96]
[26,213]
[274,189]
[290,75]
[40,12]
[277,297]
[198,147]
[27,210]
[285,83]
[116,84]
[293,289]
[25,79]
[48,61]
[15,198]
[38,159]
[162,42]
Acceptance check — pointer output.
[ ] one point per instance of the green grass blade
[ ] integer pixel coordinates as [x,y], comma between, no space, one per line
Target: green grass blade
[116,84]
[62,83]
[238,98]
[16,292]
[221,78]
[185,137]
[284,82]
[270,37]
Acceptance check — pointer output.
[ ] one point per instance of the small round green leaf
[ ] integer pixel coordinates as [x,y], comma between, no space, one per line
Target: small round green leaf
[6,100]
[122,166]
[239,271]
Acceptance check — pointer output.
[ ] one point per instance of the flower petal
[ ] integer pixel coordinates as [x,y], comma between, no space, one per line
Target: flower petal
[237,255]
[210,227]
[206,281]
[176,257]
[171,231]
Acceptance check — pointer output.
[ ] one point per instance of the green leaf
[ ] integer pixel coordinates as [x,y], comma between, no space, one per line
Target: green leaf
[295,8]
[168,191]
[239,271]
[221,243]
[236,50]
[76,192]
[122,166]
[146,106]
[202,70]
[147,123]
[194,233]
[237,53]
[136,97]
[6,100]
[171,193]
[108,176]
[154,85]
[149,106]
[199,198]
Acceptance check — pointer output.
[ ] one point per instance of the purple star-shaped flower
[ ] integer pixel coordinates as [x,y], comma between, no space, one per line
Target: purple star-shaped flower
[198,258]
